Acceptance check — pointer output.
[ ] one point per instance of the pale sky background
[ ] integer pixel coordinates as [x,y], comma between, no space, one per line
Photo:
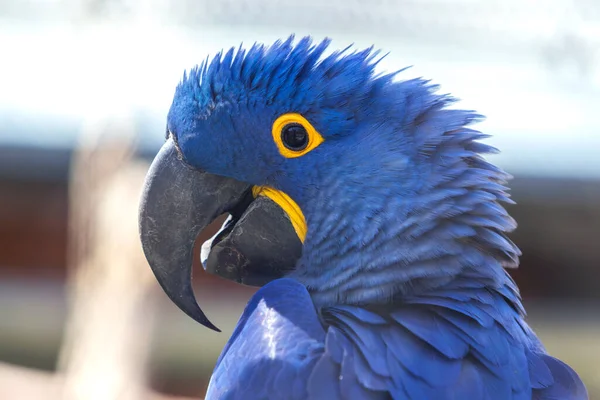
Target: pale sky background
[60,69]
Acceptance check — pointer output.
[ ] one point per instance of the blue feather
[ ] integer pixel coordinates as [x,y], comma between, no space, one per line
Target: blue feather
[567,384]
[401,290]
[426,325]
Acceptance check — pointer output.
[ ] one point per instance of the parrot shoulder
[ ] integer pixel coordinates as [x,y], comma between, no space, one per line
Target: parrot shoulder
[465,342]
[274,346]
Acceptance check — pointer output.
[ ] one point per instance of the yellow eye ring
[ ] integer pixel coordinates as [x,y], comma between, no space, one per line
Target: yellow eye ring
[295,127]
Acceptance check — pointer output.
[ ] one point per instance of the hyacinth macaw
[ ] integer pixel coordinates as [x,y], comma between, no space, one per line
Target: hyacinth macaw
[362,207]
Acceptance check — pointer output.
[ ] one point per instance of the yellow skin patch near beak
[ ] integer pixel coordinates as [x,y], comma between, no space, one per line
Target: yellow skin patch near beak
[288,205]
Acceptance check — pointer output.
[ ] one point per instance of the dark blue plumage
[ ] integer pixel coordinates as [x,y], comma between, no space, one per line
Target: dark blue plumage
[400,291]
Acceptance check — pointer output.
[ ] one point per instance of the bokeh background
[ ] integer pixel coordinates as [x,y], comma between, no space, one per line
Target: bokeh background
[84,90]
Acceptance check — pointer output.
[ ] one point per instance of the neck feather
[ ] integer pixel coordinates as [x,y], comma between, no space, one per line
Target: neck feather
[402,230]
[370,257]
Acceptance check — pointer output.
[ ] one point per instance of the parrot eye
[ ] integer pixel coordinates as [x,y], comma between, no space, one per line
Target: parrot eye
[295,136]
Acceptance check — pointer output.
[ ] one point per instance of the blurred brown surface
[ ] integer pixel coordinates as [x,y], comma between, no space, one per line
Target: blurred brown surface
[33,228]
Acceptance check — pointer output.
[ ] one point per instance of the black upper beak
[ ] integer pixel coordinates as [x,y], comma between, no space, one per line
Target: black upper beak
[178,202]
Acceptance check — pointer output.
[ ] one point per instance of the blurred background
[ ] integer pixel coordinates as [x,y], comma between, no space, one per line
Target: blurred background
[84,90]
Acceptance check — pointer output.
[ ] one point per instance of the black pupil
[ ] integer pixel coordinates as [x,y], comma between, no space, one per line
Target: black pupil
[294,137]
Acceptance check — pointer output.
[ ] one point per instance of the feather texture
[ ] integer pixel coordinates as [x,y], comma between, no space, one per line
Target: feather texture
[401,290]
[424,348]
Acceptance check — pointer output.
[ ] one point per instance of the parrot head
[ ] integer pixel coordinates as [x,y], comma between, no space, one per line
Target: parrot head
[357,185]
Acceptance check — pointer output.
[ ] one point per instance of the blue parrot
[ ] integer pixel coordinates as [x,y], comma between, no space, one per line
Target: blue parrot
[363,208]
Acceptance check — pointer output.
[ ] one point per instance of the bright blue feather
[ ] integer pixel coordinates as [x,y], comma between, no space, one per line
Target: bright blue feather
[401,290]
[432,350]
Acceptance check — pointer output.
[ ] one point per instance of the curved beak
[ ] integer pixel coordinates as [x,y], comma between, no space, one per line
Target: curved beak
[258,244]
